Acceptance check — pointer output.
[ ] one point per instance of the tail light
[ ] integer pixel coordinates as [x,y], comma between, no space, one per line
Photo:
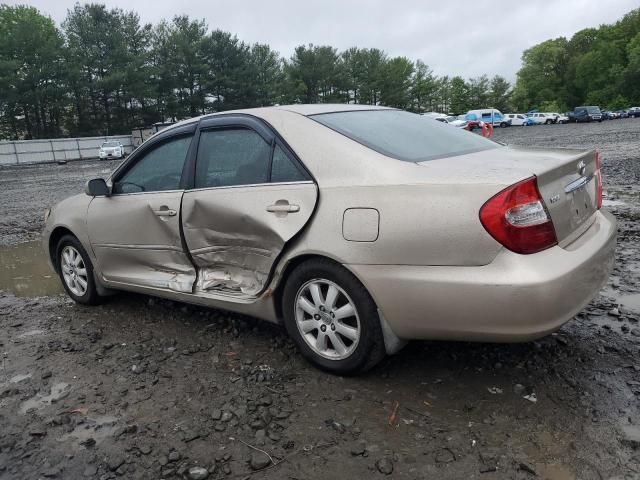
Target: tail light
[517,218]
[599,182]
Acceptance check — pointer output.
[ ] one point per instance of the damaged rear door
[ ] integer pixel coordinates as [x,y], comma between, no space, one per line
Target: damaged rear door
[250,196]
[135,231]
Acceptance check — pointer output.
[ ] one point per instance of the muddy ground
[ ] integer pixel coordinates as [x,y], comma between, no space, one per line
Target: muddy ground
[142,388]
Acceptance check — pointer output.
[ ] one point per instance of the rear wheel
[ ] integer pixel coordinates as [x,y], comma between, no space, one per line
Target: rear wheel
[548,122]
[332,318]
[76,271]
[504,124]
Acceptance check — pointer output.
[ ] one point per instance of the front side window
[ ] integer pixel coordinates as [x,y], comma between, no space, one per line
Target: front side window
[159,169]
[229,157]
[404,136]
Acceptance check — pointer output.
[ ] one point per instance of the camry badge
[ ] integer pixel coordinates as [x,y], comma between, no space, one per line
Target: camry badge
[582,167]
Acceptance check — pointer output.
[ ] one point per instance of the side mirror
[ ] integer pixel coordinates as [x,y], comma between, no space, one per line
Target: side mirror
[97,187]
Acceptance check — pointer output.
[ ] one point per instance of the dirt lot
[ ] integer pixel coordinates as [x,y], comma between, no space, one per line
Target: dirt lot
[145,388]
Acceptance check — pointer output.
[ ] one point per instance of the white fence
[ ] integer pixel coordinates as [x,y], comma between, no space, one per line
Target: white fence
[56,150]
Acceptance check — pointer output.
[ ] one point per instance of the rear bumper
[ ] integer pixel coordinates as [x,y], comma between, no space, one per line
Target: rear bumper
[514,298]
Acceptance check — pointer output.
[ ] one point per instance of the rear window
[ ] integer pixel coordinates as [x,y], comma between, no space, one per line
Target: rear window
[111,144]
[404,136]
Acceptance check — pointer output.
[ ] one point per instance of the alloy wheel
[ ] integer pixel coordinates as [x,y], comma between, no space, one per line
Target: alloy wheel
[74,271]
[327,319]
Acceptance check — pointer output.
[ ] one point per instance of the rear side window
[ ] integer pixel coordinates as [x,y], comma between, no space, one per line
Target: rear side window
[228,157]
[404,136]
[284,170]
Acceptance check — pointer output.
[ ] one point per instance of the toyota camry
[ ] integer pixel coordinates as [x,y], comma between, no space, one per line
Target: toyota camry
[358,228]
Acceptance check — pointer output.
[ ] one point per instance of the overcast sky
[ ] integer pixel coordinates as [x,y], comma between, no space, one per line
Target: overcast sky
[454,37]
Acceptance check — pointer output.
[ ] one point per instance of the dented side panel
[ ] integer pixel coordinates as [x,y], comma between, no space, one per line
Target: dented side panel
[136,240]
[234,239]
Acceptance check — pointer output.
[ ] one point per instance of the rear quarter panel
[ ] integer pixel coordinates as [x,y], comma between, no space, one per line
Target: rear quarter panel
[419,225]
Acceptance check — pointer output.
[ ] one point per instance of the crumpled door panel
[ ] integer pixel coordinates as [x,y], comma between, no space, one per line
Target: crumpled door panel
[136,245]
[234,240]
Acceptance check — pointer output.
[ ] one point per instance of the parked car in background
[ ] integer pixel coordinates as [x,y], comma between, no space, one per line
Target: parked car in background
[451,120]
[111,149]
[488,115]
[634,112]
[493,242]
[622,113]
[542,118]
[519,120]
[562,118]
[586,114]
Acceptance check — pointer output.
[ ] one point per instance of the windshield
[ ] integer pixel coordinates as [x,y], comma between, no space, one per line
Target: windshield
[593,110]
[404,136]
[111,144]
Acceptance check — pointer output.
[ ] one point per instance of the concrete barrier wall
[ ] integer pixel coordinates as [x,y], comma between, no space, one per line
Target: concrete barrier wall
[43,151]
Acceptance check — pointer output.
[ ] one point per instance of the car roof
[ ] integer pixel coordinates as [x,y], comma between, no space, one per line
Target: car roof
[315,109]
[302,109]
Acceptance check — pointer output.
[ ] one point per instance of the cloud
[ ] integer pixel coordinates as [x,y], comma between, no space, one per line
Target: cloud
[458,37]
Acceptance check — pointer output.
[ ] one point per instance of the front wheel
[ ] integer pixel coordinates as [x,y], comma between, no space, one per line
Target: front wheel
[332,318]
[76,271]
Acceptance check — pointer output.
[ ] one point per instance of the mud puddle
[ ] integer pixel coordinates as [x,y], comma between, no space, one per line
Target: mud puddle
[31,333]
[628,301]
[632,302]
[19,378]
[58,391]
[97,428]
[613,203]
[24,271]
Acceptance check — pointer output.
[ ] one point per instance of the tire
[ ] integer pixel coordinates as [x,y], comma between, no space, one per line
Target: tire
[68,265]
[548,122]
[362,353]
[504,125]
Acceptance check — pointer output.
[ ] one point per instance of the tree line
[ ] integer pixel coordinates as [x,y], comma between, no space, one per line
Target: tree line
[596,66]
[105,72]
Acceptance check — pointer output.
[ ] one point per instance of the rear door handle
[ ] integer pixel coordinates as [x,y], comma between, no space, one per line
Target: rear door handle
[165,211]
[283,208]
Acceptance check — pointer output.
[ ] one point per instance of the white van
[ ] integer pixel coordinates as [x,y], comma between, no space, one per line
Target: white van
[488,115]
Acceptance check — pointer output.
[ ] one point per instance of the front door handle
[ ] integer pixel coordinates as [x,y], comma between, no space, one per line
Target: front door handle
[165,211]
[282,206]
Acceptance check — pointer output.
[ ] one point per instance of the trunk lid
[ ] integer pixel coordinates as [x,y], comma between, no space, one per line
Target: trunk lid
[567,180]
[570,194]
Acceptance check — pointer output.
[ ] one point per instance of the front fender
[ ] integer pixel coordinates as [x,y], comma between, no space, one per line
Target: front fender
[69,215]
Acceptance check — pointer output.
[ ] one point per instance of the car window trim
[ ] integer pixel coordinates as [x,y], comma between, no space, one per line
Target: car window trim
[146,193]
[253,185]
